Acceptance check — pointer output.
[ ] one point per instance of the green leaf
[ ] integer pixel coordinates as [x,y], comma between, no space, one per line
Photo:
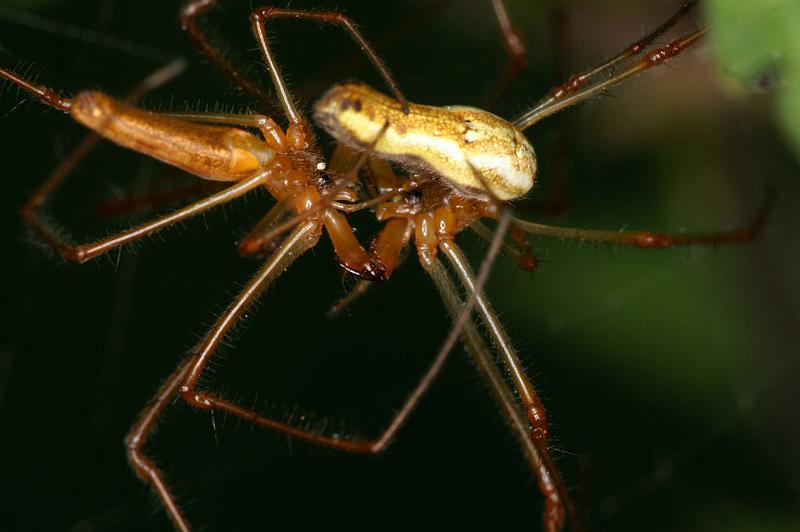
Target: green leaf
[755,39]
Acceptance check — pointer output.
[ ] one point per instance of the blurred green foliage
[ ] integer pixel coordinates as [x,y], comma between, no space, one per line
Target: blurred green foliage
[756,39]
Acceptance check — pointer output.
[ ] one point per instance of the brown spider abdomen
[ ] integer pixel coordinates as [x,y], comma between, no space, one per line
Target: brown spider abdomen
[216,153]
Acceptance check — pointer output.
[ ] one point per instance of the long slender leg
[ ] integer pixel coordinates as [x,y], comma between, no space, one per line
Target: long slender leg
[211,401]
[188,21]
[515,50]
[45,94]
[578,80]
[574,91]
[539,459]
[302,238]
[534,433]
[476,290]
[255,241]
[141,431]
[532,405]
[116,206]
[646,239]
[277,139]
[84,252]
[51,98]
[344,302]
[185,378]
[259,17]
[520,254]
[555,201]
[228,119]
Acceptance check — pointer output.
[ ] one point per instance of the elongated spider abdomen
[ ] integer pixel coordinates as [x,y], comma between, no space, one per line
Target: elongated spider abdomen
[470,148]
[211,152]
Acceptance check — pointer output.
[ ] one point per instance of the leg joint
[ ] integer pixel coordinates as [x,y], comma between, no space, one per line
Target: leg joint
[194,398]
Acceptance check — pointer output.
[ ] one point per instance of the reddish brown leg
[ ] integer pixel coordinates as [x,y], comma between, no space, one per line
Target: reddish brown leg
[84,252]
[258,239]
[575,89]
[388,246]
[271,131]
[520,253]
[188,21]
[527,261]
[555,201]
[380,174]
[344,303]
[47,95]
[349,251]
[141,431]
[550,485]
[302,238]
[515,49]
[117,206]
[259,17]
[646,239]
[185,378]
[577,81]
[532,433]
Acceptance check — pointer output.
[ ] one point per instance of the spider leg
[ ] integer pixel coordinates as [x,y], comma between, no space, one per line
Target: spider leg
[188,17]
[258,19]
[646,239]
[141,431]
[521,254]
[349,298]
[632,50]
[273,134]
[84,252]
[515,50]
[290,249]
[526,260]
[208,347]
[255,240]
[550,483]
[154,197]
[436,230]
[302,238]
[535,451]
[185,378]
[575,89]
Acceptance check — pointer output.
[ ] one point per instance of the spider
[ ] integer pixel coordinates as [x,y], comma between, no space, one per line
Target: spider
[490,162]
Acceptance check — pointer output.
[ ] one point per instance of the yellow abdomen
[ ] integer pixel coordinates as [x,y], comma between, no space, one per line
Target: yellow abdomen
[470,148]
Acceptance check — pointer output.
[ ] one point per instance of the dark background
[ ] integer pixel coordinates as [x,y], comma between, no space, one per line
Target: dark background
[670,376]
